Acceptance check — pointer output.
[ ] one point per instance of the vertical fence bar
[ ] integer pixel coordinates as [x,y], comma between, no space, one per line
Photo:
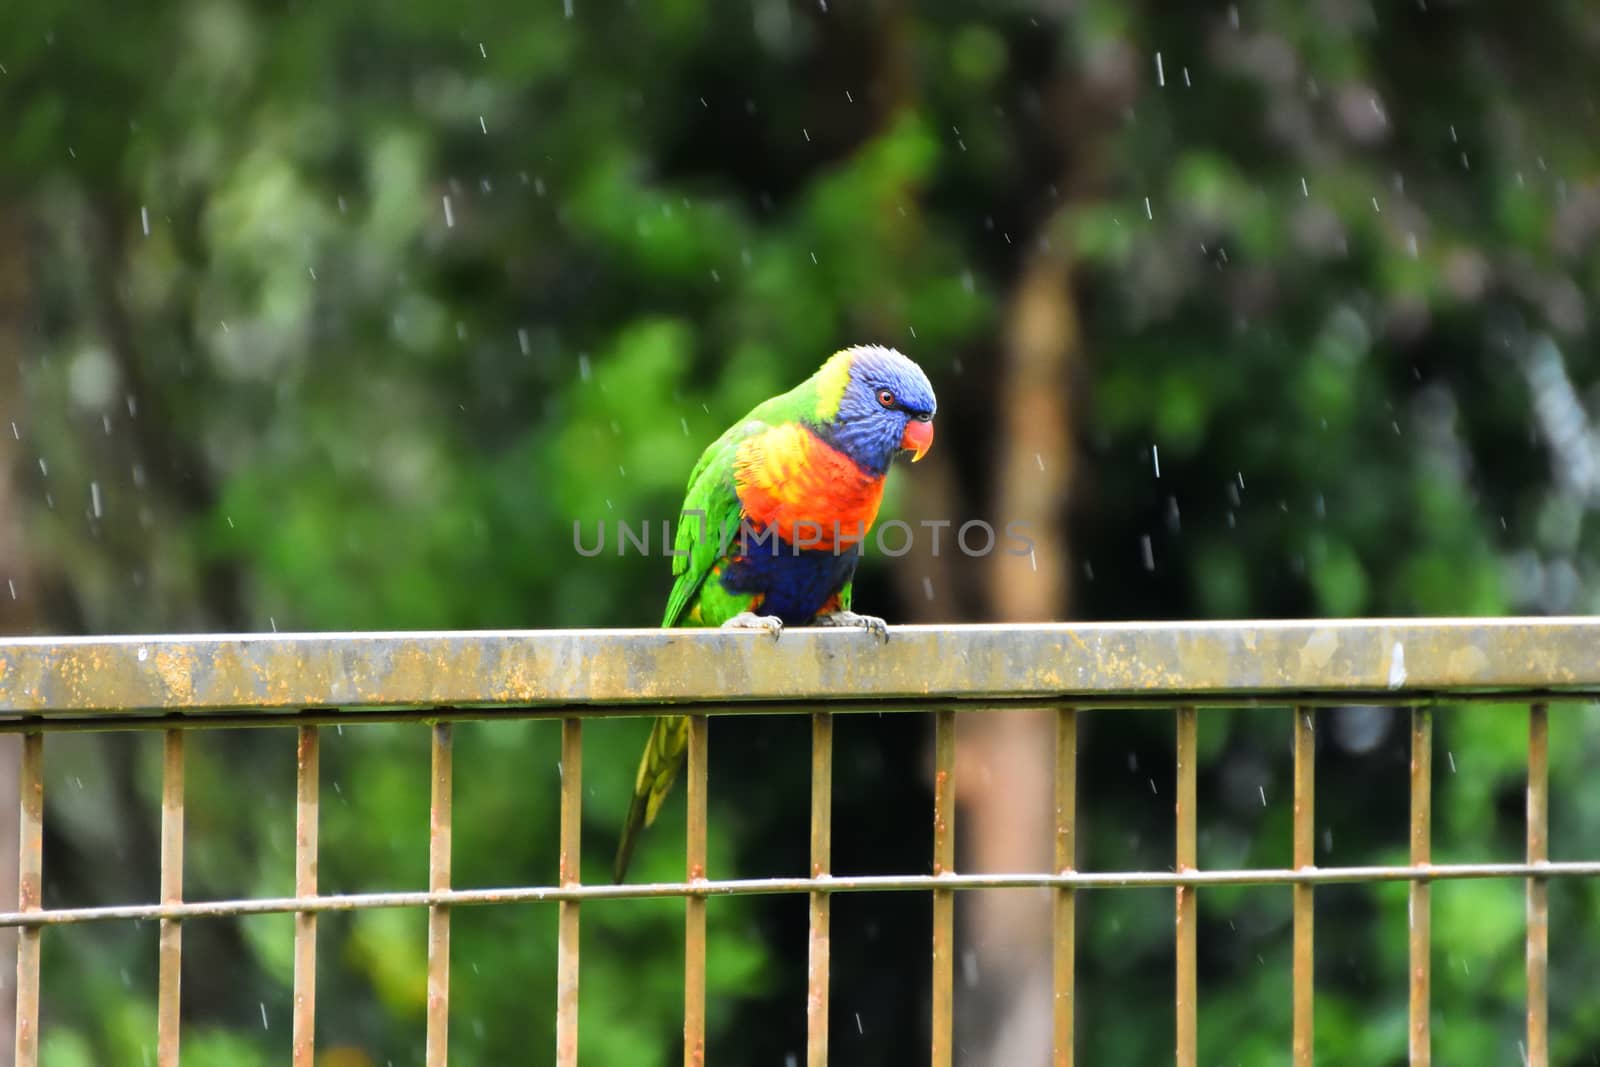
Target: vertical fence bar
[307,796]
[1305,801]
[1064,905]
[944,902]
[439,830]
[169,981]
[571,875]
[1421,854]
[1538,888]
[30,884]
[821,866]
[694,907]
[1188,941]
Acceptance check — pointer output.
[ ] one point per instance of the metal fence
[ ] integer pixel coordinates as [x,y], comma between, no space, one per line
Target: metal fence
[175,684]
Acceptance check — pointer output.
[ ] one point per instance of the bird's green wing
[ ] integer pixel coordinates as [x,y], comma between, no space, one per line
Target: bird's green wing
[709,520]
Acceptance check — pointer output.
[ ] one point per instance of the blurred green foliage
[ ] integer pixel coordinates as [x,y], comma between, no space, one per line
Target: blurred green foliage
[340,318]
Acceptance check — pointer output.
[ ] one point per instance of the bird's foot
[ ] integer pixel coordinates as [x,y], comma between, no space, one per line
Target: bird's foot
[871,623]
[749,620]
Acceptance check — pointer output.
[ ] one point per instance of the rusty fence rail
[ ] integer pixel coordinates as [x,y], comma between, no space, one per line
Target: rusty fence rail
[175,684]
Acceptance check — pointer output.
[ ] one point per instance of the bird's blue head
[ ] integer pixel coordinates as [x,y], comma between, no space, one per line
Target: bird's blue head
[874,403]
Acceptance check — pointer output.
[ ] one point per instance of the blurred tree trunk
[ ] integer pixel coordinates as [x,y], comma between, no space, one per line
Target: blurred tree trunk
[16,591]
[1005,761]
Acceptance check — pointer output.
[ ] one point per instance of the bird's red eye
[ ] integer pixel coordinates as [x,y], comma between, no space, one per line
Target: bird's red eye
[886,398]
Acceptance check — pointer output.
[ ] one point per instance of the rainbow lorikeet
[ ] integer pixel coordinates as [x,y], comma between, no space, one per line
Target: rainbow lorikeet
[773,524]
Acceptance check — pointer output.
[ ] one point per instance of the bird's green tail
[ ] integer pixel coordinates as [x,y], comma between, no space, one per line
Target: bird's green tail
[658,769]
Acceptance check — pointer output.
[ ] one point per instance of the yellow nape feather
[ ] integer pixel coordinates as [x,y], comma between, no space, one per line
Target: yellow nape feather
[832,378]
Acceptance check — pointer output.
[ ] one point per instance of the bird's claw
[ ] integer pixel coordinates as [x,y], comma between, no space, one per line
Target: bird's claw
[871,623]
[749,620]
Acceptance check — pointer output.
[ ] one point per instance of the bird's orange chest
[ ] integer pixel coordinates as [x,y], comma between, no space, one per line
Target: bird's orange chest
[791,481]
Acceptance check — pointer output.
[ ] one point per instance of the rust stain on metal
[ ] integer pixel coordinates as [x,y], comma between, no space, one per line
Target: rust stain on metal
[694,907]
[819,946]
[1305,741]
[567,928]
[176,668]
[1077,663]
[944,863]
[439,822]
[1538,898]
[30,876]
[1187,860]
[1420,1037]
[1064,903]
[170,939]
[308,764]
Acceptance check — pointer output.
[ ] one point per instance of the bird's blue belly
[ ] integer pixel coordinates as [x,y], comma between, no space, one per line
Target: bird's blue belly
[795,585]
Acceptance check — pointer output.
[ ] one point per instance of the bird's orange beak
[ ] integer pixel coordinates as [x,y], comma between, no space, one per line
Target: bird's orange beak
[917,439]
